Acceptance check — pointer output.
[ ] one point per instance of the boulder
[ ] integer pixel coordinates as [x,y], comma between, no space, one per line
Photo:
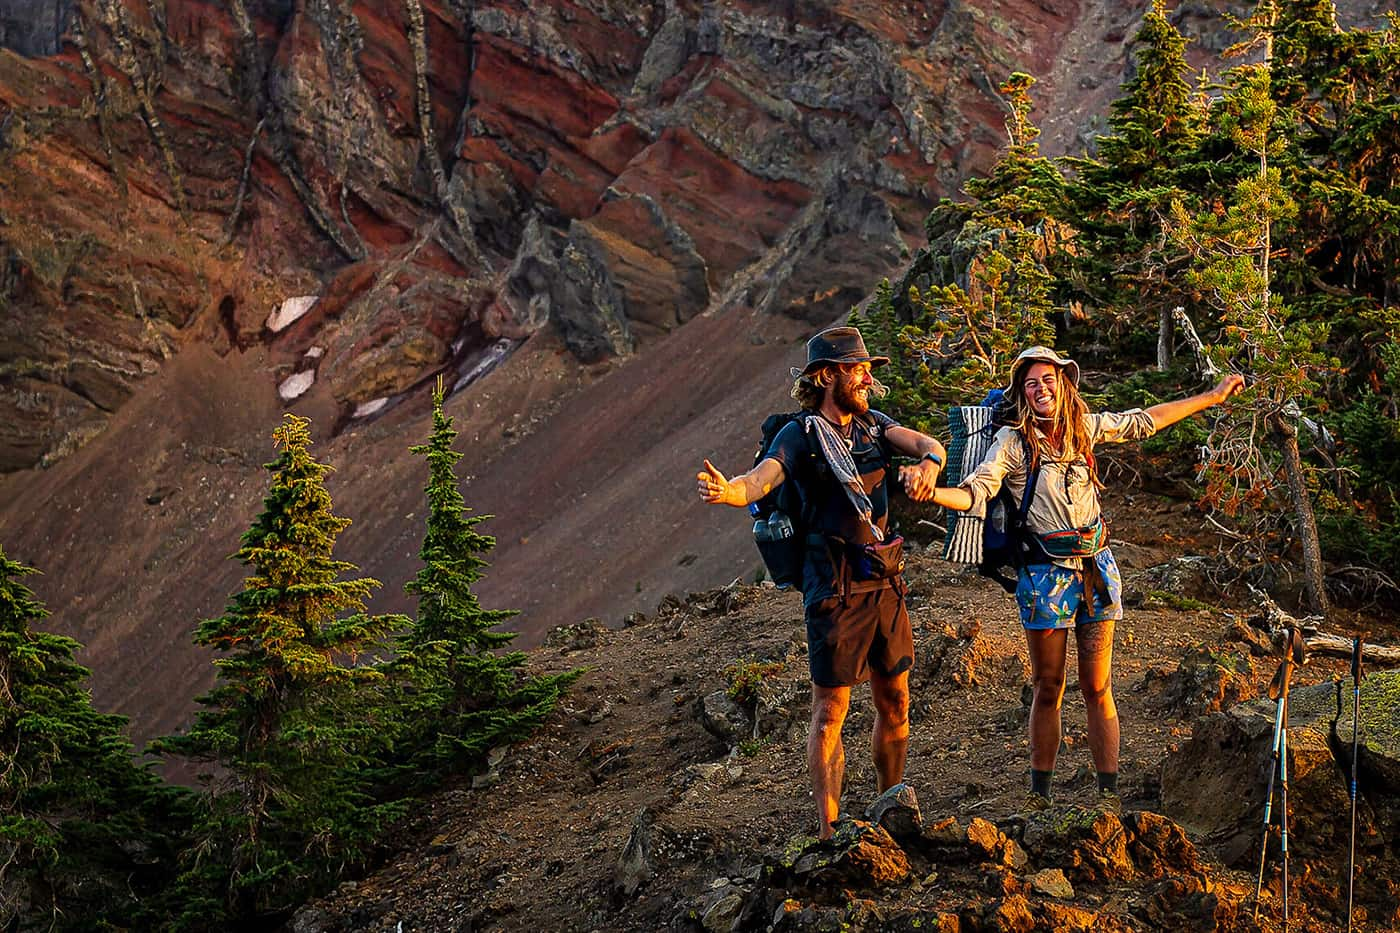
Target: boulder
[1052,883]
[1216,783]
[637,863]
[1158,846]
[985,843]
[724,718]
[1091,845]
[858,854]
[721,908]
[1205,681]
[1011,914]
[1378,751]
[897,811]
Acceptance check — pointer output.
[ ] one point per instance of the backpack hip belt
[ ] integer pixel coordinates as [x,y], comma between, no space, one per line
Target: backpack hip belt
[1085,541]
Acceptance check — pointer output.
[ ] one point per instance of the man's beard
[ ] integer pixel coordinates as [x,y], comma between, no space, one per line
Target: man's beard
[846,397]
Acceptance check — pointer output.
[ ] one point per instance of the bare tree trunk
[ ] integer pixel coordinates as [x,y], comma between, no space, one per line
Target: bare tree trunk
[1164,340]
[1314,590]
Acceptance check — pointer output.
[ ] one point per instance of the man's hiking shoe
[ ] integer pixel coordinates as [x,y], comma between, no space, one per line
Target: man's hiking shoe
[1110,802]
[1034,803]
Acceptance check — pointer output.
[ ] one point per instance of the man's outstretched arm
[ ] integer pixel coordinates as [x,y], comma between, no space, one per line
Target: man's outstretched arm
[766,476]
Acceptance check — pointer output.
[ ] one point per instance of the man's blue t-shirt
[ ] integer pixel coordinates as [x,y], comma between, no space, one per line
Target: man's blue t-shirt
[834,514]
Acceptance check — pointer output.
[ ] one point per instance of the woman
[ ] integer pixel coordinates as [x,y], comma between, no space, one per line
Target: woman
[1070,579]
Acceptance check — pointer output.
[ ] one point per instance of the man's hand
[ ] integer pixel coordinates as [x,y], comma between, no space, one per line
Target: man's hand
[1228,386]
[920,480]
[712,485]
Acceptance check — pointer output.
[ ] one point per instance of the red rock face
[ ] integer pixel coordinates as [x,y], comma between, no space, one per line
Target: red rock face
[176,171]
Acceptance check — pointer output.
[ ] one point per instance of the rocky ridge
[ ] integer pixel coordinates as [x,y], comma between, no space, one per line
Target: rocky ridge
[426,179]
[669,791]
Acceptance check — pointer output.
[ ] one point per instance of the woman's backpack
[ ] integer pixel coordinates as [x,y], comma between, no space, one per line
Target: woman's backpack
[998,542]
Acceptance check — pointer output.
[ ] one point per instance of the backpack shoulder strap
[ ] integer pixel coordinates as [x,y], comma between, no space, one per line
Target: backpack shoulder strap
[876,430]
[814,466]
[1032,480]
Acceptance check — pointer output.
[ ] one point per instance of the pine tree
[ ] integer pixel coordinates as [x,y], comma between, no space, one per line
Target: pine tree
[80,838]
[461,698]
[291,723]
[1125,266]
[1232,251]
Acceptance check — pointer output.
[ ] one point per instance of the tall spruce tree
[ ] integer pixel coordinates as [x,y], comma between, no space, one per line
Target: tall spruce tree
[291,722]
[461,697]
[80,837]
[1125,267]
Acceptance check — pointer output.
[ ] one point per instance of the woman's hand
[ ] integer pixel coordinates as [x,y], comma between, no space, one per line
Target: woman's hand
[1228,386]
[920,480]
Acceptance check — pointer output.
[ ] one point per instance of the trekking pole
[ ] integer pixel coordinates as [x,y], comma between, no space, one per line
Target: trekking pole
[1278,766]
[1355,731]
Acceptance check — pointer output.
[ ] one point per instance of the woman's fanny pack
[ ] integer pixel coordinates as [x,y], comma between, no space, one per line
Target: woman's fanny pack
[1075,542]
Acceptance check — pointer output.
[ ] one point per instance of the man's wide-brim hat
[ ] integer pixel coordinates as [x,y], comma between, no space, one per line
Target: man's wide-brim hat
[837,345]
[1032,355]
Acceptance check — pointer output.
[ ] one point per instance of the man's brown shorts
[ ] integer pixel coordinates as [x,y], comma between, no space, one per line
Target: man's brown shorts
[870,632]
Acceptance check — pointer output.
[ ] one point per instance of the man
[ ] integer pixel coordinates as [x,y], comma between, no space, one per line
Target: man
[857,625]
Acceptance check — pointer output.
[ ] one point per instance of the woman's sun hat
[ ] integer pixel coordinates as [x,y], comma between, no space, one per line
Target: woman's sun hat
[1038,354]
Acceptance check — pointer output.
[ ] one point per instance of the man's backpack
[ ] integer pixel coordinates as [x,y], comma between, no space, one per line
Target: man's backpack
[1000,541]
[783,517]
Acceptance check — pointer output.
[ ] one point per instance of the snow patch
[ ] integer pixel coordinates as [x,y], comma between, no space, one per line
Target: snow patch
[295,385]
[315,353]
[291,310]
[487,362]
[365,409]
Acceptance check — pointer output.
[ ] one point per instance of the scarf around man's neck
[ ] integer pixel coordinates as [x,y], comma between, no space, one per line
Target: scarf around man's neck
[838,455]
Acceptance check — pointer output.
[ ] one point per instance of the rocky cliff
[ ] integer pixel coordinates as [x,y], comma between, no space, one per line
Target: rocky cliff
[382,191]
[625,217]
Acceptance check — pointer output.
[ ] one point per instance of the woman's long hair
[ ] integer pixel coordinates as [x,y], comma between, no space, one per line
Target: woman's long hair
[1067,428]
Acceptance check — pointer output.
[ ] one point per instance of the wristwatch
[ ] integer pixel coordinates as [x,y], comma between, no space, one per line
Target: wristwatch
[937,460]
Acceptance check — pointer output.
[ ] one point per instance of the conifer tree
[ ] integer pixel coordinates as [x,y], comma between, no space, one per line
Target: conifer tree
[74,807]
[1125,265]
[462,698]
[291,723]
[963,333]
[1338,91]
[1282,354]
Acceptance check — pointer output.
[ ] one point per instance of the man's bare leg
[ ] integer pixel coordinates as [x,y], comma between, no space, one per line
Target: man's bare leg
[826,757]
[1047,648]
[890,742]
[1094,646]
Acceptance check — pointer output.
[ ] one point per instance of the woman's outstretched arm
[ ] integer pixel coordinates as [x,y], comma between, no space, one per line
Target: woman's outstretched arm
[953,497]
[1169,413]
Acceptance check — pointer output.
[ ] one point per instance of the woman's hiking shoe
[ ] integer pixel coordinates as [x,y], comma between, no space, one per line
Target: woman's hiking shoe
[1110,802]
[1034,803]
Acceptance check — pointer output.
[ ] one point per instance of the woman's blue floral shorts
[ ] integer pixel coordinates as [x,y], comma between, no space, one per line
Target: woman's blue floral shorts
[1051,596]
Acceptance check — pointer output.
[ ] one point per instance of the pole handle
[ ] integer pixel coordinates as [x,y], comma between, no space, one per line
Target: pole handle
[1356,661]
